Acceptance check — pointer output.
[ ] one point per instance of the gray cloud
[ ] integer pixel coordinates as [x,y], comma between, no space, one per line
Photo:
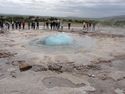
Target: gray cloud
[86,8]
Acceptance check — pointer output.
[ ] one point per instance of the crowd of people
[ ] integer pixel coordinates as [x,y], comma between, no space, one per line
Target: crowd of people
[88,26]
[19,25]
[52,25]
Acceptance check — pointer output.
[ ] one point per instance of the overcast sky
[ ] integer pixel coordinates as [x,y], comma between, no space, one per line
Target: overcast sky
[79,8]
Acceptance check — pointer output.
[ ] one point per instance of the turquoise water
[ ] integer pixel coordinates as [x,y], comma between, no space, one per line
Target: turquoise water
[57,40]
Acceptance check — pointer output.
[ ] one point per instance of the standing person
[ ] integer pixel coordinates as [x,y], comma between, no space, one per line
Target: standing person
[31,25]
[93,26]
[54,25]
[51,25]
[1,25]
[69,25]
[90,26]
[19,24]
[34,25]
[1,22]
[84,26]
[61,26]
[16,24]
[47,25]
[23,24]
[5,28]
[7,25]
[37,24]
[87,26]
[12,24]
[58,24]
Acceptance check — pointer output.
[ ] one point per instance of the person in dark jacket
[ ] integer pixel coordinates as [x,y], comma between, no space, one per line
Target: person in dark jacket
[69,25]
[47,25]
[37,24]
[12,24]
[23,24]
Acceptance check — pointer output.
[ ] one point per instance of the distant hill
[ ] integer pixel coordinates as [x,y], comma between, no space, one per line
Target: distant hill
[113,18]
[117,18]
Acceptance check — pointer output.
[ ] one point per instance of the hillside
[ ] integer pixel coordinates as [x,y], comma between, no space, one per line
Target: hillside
[120,18]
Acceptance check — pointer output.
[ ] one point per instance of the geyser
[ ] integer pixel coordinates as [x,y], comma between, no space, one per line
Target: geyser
[57,40]
[62,43]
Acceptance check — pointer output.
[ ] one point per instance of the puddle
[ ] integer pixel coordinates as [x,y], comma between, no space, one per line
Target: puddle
[51,82]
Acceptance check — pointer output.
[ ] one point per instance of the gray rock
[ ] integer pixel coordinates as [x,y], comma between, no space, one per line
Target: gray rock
[38,68]
[55,67]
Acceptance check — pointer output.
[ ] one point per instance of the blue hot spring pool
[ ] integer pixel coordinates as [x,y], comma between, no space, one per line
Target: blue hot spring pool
[57,40]
[62,43]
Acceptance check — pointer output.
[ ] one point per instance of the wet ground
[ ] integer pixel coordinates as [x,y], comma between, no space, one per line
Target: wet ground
[94,64]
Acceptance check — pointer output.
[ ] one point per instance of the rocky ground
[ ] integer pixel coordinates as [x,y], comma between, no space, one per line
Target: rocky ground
[26,71]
